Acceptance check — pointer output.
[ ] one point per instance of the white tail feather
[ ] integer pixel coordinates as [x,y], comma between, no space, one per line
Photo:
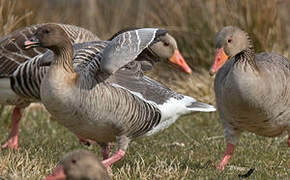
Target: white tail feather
[202,107]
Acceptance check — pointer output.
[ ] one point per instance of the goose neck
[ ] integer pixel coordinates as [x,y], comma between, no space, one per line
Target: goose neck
[247,56]
[64,58]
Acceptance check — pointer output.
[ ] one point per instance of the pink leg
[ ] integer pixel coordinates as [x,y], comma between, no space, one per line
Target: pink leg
[12,142]
[228,153]
[288,140]
[117,156]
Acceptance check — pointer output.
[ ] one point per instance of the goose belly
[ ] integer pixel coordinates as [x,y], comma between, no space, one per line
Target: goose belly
[260,125]
[255,113]
[80,117]
[96,129]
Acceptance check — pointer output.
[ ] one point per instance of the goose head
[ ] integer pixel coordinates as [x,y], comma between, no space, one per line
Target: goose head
[49,36]
[228,42]
[77,165]
[149,44]
[165,49]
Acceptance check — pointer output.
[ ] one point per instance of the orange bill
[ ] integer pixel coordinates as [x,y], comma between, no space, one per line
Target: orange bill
[177,58]
[219,59]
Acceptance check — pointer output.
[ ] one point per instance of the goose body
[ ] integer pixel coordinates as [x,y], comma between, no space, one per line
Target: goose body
[150,106]
[103,107]
[20,75]
[252,90]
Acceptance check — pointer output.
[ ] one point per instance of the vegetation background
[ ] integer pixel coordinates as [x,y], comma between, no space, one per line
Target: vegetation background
[189,149]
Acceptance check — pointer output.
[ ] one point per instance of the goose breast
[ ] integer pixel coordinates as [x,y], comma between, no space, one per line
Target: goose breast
[248,95]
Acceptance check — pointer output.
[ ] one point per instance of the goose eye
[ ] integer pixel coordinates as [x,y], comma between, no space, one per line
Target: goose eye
[229,40]
[74,161]
[166,44]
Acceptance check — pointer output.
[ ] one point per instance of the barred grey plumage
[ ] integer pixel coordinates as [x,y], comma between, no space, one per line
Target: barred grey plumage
[103,107]
[20,72]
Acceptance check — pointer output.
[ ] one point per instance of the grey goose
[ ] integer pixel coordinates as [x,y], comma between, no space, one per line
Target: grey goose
[13,59]
[252,90]
[79,165]
[108,105]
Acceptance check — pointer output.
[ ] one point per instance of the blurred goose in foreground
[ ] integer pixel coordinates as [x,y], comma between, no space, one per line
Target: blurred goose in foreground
[110,99]
[79,165]
[252,90]
[13,59]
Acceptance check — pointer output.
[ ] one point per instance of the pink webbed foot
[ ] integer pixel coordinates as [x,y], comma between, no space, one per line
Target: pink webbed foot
[12,141]
[117,156]
[227,155]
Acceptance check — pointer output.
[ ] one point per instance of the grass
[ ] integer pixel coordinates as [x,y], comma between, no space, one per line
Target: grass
[189,149]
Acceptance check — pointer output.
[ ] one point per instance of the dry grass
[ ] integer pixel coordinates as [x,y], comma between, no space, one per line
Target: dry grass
[8,19]
[191,147]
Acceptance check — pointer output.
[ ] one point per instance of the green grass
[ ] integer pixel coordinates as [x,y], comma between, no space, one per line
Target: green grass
[189,149]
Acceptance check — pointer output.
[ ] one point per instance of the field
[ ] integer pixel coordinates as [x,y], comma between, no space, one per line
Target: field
[189,149]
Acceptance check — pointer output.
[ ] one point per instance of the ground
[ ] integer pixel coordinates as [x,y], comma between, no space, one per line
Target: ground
[189,149]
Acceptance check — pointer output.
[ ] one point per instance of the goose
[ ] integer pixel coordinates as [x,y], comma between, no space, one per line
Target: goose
[252,90]
[13,59]
[117,103]
[23,83]
[78,165]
